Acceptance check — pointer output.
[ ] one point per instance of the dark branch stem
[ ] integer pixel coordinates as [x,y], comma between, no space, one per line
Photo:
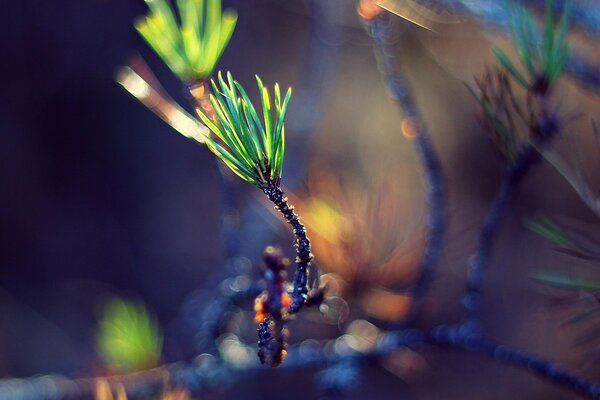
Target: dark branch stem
[303,255]
[479,261]
[545,369]
[434,180]
[201,378]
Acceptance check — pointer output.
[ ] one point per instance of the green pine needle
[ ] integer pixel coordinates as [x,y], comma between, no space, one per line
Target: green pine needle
[542,54]
[566,282]
[252,148]
[509,66]
[192,44]
[547,228]
[128,337]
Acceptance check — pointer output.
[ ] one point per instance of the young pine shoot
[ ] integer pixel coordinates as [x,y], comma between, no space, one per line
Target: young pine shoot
[253,148]
[192,44]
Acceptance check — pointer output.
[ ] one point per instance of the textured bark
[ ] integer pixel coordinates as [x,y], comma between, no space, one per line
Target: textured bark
[303,254]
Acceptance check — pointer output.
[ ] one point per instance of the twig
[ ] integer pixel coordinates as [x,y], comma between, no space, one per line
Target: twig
[513,175]
[413,126]
[304,256]
[200,376]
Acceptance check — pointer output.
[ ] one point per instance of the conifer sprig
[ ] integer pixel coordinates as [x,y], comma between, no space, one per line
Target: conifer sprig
[543,60]
[192,44]
[252,147]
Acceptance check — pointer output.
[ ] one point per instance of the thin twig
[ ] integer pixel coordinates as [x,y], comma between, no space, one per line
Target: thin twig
[304,256]
[479,261]
[201,376]
[434,180]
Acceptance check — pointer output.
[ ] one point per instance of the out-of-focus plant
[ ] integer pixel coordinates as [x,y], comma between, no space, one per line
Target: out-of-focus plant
[542,60]
[128,337]
[510,120]
[502,116]
[568,282]
[356,236]
[191,44]
[103,391]
[191,47]
[520,129]
[250,146]
[555,233]
[254,149]
[586,287]
[568,244]
[140,82]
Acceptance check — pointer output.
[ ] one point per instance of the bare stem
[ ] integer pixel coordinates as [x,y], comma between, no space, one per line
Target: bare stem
[543,127]
[202,378]
[479,261]
[304,256]
[434,180]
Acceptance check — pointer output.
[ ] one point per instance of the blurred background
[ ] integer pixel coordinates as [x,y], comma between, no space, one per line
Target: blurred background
[101,198]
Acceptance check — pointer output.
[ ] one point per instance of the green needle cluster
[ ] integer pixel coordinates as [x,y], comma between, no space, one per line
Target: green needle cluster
[252,148]
[542,60]
[128,336]
[191,48]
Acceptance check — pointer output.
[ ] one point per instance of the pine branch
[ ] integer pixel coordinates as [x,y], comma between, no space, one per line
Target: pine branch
[414,127]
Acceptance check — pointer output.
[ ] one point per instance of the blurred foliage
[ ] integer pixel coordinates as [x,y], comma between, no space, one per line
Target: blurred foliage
[567,282]
[511,119]
[128,337]
[139,81]
[503,116]
[555,233]
[547,228]
[253,150]
[192,47]
[590,287]
[366,235]
[544,60]
[103,391]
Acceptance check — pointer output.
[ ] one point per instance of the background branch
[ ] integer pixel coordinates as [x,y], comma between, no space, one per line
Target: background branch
[414,127]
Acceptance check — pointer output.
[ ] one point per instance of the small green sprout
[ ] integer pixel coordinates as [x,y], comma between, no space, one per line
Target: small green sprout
[542,60]
[193,48]
[251,148]
[128,337]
